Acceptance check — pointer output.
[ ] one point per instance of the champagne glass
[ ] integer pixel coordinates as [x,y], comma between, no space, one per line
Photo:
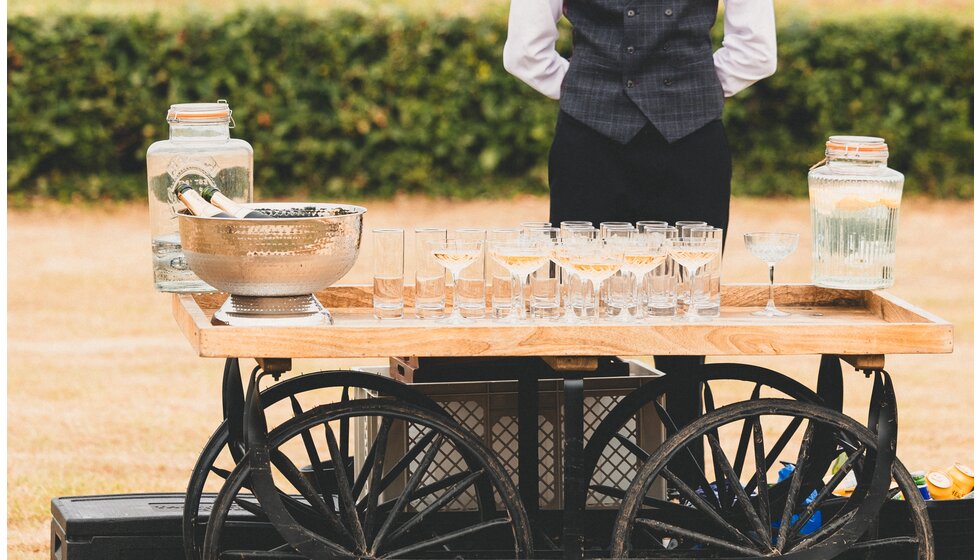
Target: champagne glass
[692,253]
[455,256]
[771,248]
[642,253]
[521,258]
[596,261]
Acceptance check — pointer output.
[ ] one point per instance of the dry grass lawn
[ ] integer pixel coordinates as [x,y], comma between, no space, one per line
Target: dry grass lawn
[105,396]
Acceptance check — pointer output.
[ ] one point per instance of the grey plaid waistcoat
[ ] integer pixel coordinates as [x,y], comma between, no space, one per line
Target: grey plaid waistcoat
[639,61]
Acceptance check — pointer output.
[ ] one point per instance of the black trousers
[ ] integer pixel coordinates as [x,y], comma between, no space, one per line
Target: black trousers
[598,179]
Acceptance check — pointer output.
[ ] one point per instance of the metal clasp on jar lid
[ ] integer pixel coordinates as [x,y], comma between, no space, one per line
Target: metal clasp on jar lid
[857,147]
[201,113]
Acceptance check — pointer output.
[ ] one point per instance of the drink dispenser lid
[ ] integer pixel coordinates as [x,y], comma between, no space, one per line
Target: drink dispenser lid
[858,147]
[200,113]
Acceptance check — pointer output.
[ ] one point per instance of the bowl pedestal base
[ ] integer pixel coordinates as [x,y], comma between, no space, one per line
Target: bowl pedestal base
[243,311]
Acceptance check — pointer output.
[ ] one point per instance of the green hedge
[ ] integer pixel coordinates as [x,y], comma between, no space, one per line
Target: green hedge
[347,106]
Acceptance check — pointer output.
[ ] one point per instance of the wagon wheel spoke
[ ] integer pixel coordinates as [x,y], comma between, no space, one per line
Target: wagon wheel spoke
[886,542]
[632,447]
[743,500]
[442,500]
[410,487]
[402,464]
[345,432]
[812,507]
[721,488]
[692,462]
[344,492]
[317,507]
[698,502]
[827,529]
[796,481]
[377,470]
[671,530]
[760,474]
[428,489]
[366,468]
[314,457]
[453,535]
[743,438]
[773,454]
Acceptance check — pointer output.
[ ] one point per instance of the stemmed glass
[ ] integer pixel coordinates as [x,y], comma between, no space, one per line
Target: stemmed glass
[771,248]
[595,261]
[692,253]
[456,255]
[642,253]
[521,258]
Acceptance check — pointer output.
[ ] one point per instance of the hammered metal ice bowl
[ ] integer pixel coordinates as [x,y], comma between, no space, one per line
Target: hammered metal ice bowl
[305,248]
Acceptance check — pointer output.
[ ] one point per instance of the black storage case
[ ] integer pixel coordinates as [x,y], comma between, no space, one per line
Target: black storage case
[137,527]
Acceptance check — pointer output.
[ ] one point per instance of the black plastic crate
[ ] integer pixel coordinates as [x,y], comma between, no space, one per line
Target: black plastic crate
[136,526]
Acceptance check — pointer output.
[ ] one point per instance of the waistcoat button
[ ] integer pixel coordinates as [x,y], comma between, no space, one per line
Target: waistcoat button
[668,12]
[629,83]
[667,81]
[630,50]
[630,13]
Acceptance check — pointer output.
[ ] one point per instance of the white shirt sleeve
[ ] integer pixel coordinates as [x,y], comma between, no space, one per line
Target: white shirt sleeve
[748,52]
[747,55]
[529,53]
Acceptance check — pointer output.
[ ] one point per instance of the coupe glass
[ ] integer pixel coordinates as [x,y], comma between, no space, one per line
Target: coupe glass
[455,256]
[771,248]
[693,253]
[642,253]
[595,261]
[521,258]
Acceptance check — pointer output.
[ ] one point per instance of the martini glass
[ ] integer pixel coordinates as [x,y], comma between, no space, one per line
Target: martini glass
[521,258]
[771,248]
[692,253]
[595,261]
[455,256]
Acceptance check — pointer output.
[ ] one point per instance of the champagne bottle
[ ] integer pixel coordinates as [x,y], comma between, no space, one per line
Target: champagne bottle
[197,205]
[215,197]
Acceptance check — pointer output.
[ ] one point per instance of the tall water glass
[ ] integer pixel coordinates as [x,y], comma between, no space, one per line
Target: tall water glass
[545,296]
[525,226]
[707,291]
[503,287]
[471,285]
[389,273]
[430,277]
[659,288]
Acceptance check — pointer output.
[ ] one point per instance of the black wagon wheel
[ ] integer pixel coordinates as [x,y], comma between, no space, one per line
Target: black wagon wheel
[745,517]
[399,503]
[226,446]
[619,446]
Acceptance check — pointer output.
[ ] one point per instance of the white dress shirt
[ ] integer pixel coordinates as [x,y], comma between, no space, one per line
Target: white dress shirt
[747,55]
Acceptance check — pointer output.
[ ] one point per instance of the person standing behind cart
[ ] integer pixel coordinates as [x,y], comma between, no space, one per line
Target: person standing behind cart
[639,134]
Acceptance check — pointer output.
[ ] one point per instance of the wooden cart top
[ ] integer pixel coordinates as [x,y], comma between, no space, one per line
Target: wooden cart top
[824,321]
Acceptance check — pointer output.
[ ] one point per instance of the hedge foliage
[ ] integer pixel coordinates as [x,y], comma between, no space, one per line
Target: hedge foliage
[347,106]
